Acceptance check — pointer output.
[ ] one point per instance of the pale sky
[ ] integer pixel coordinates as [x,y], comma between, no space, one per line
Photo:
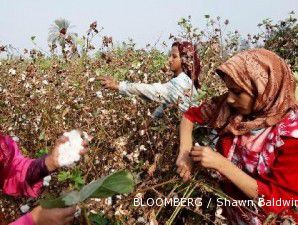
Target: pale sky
[143,20]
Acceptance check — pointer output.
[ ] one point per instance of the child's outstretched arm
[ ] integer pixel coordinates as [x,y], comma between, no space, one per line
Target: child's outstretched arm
[174,91]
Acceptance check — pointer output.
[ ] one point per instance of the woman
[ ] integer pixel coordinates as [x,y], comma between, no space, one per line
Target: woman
[24,176]
[185,63]
[257,121]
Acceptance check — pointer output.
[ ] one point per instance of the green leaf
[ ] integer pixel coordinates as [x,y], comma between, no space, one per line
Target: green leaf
[42,136]
[69,199]
[63,176]
[41,152]
[98,219]
[117,183]
[80,42]
[98,72]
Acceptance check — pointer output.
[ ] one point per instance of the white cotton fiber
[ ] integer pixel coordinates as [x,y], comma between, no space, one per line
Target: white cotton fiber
[46,180]
[69,152]
[25,208]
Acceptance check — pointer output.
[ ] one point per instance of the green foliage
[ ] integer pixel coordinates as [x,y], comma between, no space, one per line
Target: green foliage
[98,219]
[74,176]
[41,152]
[101,219]
[281,37]
[44,64]
[117,183]
[188,31]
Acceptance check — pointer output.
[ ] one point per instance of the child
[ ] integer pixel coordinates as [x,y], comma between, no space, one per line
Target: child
[257,122]
[184,62]
[24,176]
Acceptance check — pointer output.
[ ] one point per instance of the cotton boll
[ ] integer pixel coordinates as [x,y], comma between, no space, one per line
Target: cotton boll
[86,136]
[24,208]
[99,94]
[15,138]
[141,220]
[143,148]
[78,212]
[46,180]
[108,201]
[142,132]
[12,71]
[69,152]
[92,79]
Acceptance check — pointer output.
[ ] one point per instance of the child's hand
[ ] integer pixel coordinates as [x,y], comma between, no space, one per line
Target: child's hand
[55,216]
[206,157]
[184,164]
[51,160]
[109,82]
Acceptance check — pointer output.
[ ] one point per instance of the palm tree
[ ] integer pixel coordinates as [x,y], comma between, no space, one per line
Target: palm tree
[59,34]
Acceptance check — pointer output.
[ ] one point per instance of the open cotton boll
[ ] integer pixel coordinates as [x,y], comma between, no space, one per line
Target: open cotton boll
[69,152]
[25,208]
[46,180]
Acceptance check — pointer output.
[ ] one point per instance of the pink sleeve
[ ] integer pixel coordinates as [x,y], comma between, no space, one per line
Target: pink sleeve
[24,220]
[14,170]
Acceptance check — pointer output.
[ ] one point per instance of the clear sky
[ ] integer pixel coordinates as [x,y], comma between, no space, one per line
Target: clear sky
[143,20]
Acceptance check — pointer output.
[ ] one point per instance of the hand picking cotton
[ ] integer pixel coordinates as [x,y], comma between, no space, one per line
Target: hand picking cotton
[69,152]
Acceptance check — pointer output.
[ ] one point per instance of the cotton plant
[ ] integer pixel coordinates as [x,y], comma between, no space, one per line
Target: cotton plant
[12,71]
[119,182]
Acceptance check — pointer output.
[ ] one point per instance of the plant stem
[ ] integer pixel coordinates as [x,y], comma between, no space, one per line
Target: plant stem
[86,220]
[187,193]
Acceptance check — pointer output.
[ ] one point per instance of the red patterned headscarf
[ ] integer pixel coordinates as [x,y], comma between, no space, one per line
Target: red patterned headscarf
[190,60]
[267,79]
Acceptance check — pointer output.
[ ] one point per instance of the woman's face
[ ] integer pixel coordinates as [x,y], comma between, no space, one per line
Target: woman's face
[175,61]
[238,99]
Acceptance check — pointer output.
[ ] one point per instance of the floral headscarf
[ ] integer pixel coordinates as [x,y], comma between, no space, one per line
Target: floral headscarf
[267,79]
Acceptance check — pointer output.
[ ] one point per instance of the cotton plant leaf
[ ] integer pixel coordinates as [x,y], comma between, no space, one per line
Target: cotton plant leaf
[69,199]
[97,72]
[117,183]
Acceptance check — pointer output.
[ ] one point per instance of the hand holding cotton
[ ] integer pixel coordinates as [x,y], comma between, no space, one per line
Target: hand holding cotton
[69,151]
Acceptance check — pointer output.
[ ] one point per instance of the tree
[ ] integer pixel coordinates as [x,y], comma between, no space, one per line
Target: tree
[59,34]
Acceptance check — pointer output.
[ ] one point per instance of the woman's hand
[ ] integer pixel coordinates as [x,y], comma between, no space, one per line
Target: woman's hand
[213,160]
[184,164]
[51,160]
[63,216]
[109,82]
[207,157]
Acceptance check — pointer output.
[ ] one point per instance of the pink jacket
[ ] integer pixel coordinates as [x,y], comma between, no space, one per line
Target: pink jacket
[13,171]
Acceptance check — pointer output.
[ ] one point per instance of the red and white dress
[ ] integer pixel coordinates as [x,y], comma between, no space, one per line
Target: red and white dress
[269,155]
